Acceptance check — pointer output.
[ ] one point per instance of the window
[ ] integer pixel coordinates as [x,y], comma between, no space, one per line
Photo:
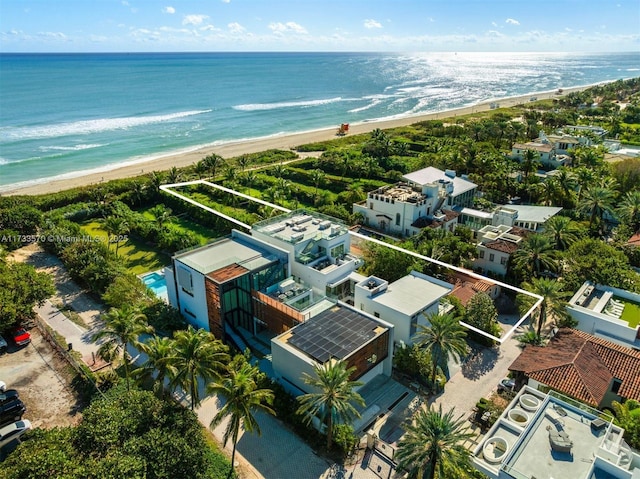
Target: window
[185,280]
[615,387]
[337,251]
[376,314]
[503,261]
[491,257]
[481,254]
[397,219]
[370,206]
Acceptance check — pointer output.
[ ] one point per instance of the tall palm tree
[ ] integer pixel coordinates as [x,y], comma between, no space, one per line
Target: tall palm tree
[243,399]
[552,298]
[122,327]
[174,175]
[535,255]
[116,227]
[629,209]
[444,338]
[212,163]
[198,355]
[317,177]
[160,352]
[596,201]
[333,403]
[162,216]
[562,231]
[530,162]
[433,444]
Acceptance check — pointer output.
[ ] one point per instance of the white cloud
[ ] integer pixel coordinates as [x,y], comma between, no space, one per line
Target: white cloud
[125,3]
[169,10]
[370,23]
[235,27]
[194,19]
[226,1]
[279,27]
[512,21]
[57,35]
[494,24]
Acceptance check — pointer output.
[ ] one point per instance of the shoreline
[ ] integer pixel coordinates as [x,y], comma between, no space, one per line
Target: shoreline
[236,148]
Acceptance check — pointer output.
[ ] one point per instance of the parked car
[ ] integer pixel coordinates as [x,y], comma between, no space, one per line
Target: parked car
[3,386]
[11,411]
[507,384]
[21,336]
[3,345]
[13,431]
[8,395]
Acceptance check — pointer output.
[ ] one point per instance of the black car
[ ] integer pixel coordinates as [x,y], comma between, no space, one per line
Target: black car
[8,395]
[11,411]
[507,385]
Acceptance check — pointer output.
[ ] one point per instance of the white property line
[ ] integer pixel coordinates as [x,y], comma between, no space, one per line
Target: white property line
[502,339]
[468,273]
[167,189]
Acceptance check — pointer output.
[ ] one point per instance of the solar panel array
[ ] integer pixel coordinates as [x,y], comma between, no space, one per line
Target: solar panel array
[337,333]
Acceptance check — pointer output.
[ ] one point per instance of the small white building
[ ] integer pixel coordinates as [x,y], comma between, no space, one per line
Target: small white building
[495,247]
[605,312]
[405,303]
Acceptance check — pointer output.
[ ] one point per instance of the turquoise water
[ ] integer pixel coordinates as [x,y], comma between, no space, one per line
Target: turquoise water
[157,283]
[65,113]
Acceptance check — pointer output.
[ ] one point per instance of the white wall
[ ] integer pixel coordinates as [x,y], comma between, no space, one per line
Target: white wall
[289,363]
[193,308]
[602,325]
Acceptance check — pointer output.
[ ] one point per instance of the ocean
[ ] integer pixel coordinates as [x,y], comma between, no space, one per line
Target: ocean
[62,115]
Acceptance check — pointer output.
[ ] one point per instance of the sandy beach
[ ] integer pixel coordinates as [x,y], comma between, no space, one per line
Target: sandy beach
[284,142]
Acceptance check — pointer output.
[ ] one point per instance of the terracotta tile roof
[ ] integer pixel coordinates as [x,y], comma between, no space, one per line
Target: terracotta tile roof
[482,286]
[582,366]
[464,293]
[634,240]
[502,245]
[423,222]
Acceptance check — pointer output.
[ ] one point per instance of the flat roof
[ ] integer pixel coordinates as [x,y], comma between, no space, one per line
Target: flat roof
[411,294]
[535,214]
[301,225]
[223,253]
[336,332]
[431,175]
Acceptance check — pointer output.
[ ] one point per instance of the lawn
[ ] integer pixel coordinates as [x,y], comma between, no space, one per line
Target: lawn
[139,256]
[631,313]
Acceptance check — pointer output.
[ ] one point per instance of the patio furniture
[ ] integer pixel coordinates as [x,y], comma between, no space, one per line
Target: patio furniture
[559,440]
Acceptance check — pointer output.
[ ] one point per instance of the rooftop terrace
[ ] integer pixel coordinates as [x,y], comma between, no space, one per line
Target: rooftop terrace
[301,225]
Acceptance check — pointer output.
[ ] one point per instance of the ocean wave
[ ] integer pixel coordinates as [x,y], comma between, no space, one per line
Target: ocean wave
[85,127]
[288,104]
[79,147]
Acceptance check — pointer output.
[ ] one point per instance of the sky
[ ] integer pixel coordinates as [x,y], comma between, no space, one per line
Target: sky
[319,25]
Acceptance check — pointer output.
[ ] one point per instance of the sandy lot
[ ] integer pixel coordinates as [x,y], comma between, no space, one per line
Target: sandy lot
[43,381]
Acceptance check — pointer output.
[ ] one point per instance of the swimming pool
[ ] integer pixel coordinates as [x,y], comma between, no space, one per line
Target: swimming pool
[157,283]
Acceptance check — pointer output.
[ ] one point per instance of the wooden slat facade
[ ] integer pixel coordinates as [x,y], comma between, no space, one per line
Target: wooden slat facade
[277,317]
[360,359]
[213,308]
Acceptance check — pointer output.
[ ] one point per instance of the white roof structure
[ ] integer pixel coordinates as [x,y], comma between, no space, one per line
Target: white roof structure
[220,254]
[534,214]
[411,294]
[431,175]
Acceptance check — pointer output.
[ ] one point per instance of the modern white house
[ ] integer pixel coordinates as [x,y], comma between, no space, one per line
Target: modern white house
[426,198]
[607,312]
[551,436]
[495,246]
[405,303]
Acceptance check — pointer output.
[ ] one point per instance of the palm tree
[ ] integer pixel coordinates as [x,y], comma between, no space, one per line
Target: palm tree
[535,255]
[116,227]
[332,404]
[444,338]
[243,162]
[317,177]
[629,209]
[596,201]
[562,231]
[530,162]
[243,399]
[174,175]
[138,191]
[433,443]
[212,163]
[552,298]
[122,327]
[198,355]
[160,352]
[162,216]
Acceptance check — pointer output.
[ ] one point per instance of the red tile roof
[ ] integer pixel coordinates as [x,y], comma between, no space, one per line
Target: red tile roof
[634,240]
[582,366]
[502,245]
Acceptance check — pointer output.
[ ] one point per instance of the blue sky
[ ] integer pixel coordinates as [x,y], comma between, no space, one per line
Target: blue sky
[319,25]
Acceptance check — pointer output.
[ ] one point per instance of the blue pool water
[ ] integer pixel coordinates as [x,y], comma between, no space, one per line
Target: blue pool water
[157,283]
